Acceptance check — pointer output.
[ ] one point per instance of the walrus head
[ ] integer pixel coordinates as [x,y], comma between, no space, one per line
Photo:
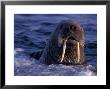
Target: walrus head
[71,42]
[66,44]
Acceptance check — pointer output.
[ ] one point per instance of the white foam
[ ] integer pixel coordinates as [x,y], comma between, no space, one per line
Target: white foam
[18,50]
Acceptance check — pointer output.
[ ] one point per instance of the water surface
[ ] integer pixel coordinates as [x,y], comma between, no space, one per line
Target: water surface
[31,32]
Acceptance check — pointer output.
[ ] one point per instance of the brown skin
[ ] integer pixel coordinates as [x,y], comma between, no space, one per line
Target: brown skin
[73,33]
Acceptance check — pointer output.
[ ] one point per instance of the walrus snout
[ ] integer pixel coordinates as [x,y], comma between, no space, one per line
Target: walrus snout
[71,38]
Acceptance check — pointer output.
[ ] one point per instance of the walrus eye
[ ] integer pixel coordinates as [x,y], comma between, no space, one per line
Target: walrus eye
[73,27]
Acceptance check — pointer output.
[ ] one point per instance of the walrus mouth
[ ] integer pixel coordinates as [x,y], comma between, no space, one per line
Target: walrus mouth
[71,40]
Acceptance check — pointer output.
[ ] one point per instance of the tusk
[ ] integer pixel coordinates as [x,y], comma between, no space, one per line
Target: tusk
[64,49]
[78,51]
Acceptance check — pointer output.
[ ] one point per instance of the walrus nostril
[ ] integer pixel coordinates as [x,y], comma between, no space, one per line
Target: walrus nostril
[71,38]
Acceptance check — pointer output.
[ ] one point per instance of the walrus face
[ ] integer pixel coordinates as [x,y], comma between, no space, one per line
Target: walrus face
[71,40]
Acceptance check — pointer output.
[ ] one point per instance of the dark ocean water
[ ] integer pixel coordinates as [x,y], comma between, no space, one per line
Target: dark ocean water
[31,32]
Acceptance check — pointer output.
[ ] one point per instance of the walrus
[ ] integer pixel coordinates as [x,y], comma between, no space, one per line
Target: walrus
[66,44]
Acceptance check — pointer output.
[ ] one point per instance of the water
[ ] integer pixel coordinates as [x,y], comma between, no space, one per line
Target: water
[31,32]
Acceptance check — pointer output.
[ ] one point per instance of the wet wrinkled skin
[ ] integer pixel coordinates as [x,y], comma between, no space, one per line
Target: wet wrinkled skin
[70,32]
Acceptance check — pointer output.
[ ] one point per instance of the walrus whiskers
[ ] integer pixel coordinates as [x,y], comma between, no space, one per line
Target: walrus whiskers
[64,49]
[78,52]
